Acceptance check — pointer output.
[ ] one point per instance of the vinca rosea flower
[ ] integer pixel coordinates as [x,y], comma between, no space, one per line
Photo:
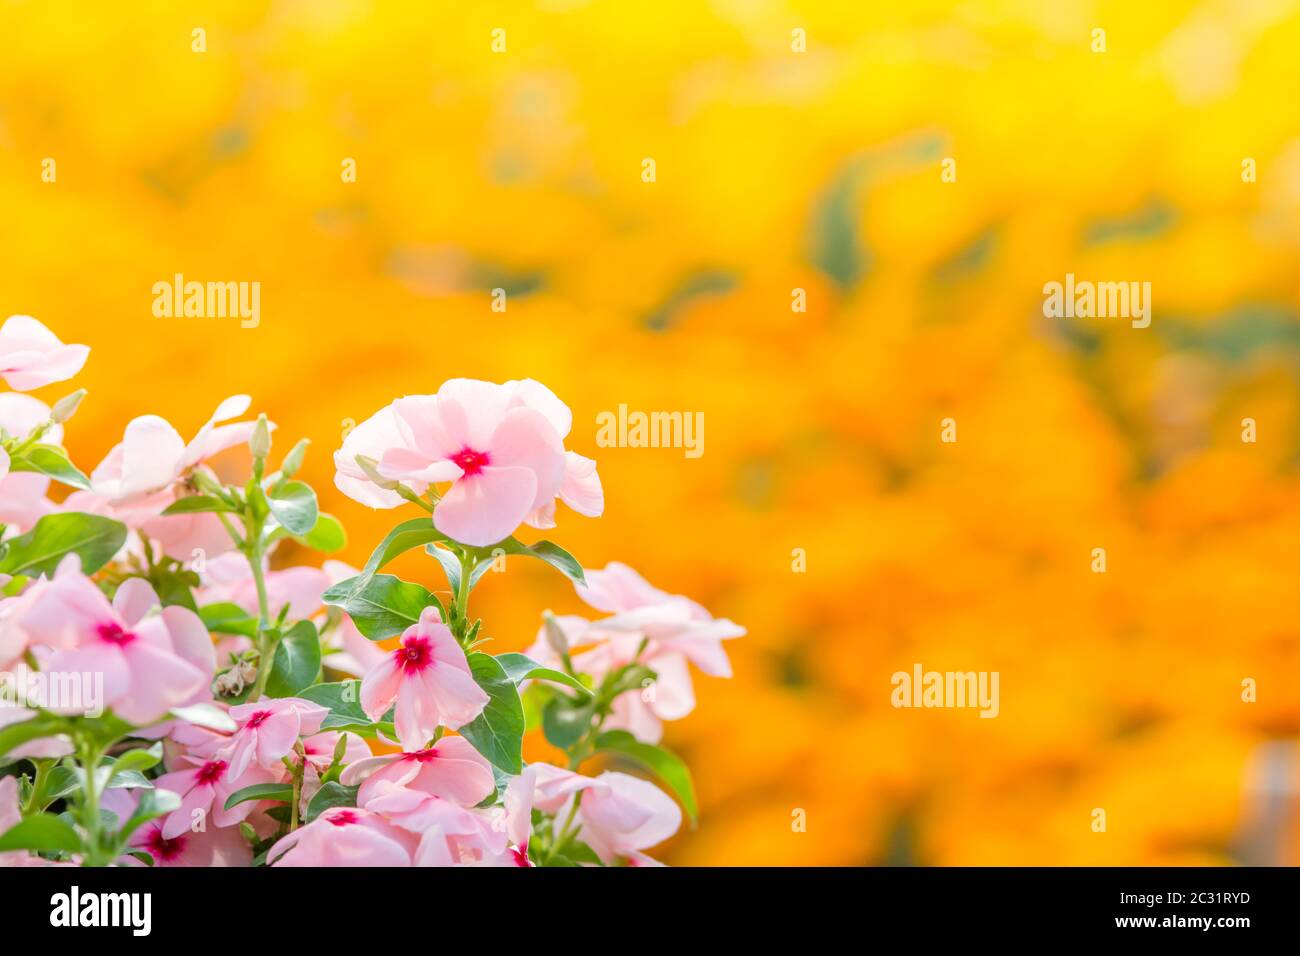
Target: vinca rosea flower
[428,679]
[662,631]
[31,355]
[499,446]
[23,493]
[151,659]
[450,769]
[268,731]
[346,836]
[204,786]
[227,577]
[210,845]
[138,479]
[622,815]
[228,733]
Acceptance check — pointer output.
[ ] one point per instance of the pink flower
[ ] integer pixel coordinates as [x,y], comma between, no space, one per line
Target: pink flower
[451,769]
[429,679]
[518,814]
[268,730]
[211,846]
[22,493]
[620,815]
[500,446]
[22,498]
[31,355]
[150,662]
[319,749]
[449,834]
[204,788]
[152,455]
[14,636]
[344,836]
[138,479]
[661,630]
[229,578]
[318,756]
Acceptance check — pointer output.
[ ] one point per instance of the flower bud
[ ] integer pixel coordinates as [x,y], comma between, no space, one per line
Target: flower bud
[370,467]
[293,460]
[555,635]
[260,441]
[66,407]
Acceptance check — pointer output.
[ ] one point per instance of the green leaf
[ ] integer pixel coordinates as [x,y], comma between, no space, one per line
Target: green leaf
[546,551]
[93,537]
[384,606]
[105,730]
[628,677]
[297,661]
[110,775]
[151,805]
[575,851]
[50,460]
[497,733]
[174,587]
[60,782]
[294,506]
[327,536]
[343,699]
[195,504]
[42,725]
[330,795]
[281,792]
[521,667]
[137,760]
[42,832]
[450,565]
[564,722]
[227,618]
[664,764]
[407,535]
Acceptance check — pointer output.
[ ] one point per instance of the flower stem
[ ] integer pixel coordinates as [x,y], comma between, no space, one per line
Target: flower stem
[267,639]
[89,756]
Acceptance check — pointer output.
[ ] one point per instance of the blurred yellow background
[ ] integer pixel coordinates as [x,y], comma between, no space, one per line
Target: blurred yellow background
[775,170]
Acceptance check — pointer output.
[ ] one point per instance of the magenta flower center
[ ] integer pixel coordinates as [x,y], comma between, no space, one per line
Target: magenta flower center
[415,654]
[343,818]
[163,849]
[258,719]
[423,756]
[211,772]
[114,634]
[470,461]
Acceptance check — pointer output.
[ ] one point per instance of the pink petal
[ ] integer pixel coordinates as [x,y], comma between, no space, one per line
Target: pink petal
[159,681]
[486,508]
[379,687]
[581,489]
[134,599]
[527,440]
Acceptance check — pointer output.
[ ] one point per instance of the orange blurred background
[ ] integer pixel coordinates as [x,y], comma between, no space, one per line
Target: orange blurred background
[776,169]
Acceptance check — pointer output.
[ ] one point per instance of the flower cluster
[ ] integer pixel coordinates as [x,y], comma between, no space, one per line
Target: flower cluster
[174,695]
